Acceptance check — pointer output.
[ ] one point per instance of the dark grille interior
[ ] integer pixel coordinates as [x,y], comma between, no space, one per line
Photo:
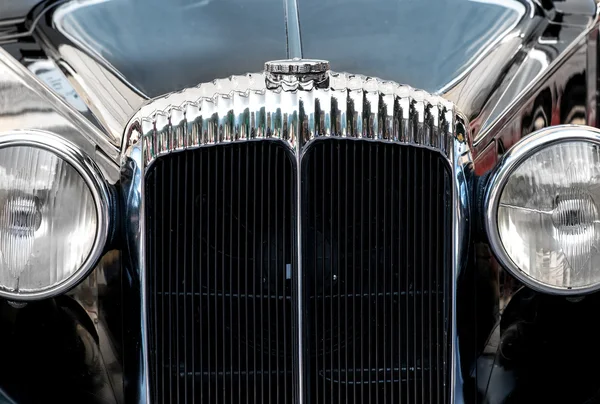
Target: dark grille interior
[377,262]
[221,242]
[220,230]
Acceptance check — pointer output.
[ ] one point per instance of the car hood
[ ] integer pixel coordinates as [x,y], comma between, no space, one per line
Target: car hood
[160,46]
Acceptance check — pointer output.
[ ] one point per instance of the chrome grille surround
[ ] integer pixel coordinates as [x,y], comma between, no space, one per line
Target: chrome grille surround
[295,111]
[261,106]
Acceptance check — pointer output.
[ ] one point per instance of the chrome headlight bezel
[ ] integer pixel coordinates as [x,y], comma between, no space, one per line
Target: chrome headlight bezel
[93,178]
[526,148]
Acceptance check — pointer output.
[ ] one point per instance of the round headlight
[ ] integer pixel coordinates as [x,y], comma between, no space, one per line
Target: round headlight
[543,210]
[53,215]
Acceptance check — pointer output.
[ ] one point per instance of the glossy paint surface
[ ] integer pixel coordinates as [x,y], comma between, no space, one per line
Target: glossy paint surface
[426,44]
[52,349]
[165,46]
[511,67]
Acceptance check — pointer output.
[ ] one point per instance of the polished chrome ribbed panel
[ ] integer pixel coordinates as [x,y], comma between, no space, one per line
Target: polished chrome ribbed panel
[263,106]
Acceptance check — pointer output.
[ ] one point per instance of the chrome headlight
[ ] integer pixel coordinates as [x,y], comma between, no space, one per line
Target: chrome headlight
[53,215]
[543,210]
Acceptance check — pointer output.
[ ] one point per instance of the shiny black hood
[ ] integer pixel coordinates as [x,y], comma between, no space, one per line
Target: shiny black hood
[160,46]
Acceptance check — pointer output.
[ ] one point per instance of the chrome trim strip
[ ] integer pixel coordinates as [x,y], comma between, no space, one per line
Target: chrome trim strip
[92,175]
[591,103]
[557,53]
[510,162]
[300,354]
[34,23]
[462,170]
[132,183]
[45,109]
[295,109]
[107,93]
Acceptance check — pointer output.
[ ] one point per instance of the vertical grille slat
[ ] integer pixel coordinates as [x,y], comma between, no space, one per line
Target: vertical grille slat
[277,234]
[223,183]
[291,256]
[389,216]
[386,264]
[239,254]
[363,194]
[373,231]
[413,249]
[431,230]
[170,274]
[423,198]
[201,303]
[193,277]
[261,278]
[399,245]
[409,263]
[253,260]
[219,236]
[255,271]
[321,245]
[353,274]
[369,273]
[437,280]
[246,259]
[177,284]
[186,238]
[340,259]
[213,343]
[232,276]
[331,258]
[346,260]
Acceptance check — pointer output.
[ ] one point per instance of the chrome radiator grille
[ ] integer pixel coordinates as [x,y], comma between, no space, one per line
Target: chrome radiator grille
[378,260]
[376,257]
[219,237]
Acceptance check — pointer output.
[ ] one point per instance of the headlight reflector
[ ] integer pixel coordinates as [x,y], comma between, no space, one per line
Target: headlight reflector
[53,215]
[543,210]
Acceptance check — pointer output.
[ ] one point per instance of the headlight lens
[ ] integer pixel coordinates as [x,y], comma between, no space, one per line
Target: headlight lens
[51,223]
[543,210]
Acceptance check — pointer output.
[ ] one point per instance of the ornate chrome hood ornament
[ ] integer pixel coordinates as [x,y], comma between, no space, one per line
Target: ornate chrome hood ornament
[293,74]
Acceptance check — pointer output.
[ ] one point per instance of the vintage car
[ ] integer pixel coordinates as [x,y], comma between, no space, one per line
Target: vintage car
[299,201]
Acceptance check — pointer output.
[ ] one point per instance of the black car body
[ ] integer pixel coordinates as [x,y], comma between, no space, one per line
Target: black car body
[324,239]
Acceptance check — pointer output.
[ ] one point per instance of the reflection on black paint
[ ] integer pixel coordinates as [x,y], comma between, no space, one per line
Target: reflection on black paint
[551,341]
[52,349]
